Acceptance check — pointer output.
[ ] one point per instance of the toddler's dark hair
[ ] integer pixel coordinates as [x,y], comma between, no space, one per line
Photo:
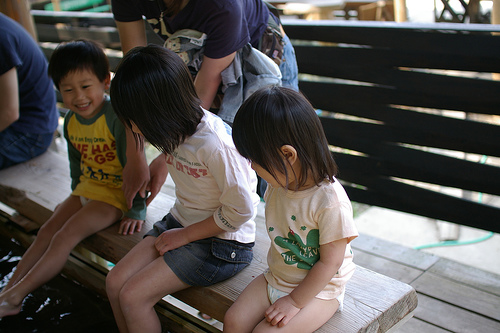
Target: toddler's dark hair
[276,116]
[76,55]
[153,89]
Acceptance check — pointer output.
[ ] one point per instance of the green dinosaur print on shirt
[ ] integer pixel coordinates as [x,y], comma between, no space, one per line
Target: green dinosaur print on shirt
[303,254]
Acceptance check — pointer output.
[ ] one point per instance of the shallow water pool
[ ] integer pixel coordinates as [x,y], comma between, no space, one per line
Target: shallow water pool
[59,306]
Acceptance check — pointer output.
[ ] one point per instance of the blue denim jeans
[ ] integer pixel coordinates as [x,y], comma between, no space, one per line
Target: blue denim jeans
[17,147]
[205,261]
[288,67]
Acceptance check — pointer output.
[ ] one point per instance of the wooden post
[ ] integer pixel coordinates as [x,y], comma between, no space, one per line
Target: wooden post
[19,10]
[400,11]
[57,5]
[473,11]
[495,12]
[495,19]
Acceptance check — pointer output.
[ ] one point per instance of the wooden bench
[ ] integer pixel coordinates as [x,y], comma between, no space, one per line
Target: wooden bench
[373,302]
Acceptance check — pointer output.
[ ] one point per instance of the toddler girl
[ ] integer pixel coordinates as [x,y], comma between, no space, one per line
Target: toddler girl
[308,217]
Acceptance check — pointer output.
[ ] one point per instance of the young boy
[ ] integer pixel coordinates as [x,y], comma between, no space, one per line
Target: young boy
[96,148]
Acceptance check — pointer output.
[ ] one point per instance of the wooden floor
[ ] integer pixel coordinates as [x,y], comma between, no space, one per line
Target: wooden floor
[452,297]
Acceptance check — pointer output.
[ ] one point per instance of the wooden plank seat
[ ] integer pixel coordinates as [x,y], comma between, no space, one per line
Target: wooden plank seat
[373,302]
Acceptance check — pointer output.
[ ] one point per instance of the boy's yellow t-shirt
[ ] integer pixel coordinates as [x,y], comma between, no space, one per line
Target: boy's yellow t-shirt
[96,148]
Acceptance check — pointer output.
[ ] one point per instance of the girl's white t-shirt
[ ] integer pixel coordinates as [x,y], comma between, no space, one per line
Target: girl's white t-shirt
[212,178]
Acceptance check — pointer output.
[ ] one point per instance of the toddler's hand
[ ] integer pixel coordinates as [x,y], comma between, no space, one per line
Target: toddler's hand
[282,311]
[128,226]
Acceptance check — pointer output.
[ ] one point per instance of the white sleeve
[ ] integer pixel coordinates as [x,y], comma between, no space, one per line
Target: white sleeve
[237,182]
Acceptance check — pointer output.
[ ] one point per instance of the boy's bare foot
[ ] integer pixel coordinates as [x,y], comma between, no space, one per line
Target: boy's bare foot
[7,309]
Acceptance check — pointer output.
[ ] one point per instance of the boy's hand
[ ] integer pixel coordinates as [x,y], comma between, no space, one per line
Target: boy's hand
[282,311]
[135,179]
[128,226]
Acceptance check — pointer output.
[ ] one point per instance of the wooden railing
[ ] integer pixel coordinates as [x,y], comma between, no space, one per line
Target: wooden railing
[413,112]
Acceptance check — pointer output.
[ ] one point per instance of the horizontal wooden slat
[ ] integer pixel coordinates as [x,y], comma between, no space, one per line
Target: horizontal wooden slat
[395,195]
[326,95]
[443,133]
[355,58]
[114,58]
[473,39]
[424,167]
[395,253]
[413,88]
[388,268]
[50,17]
[57,27]
[51,33]
[466,297]
[438,313]
[407,126]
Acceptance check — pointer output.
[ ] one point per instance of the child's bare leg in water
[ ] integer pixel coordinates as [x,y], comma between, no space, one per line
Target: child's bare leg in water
[61,214]
[84,222]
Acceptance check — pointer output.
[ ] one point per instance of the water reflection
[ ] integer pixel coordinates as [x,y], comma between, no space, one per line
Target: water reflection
[59,306]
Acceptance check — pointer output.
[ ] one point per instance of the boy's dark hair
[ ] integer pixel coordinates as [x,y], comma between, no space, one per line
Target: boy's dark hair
[153,89]
[76,55]
[276,116]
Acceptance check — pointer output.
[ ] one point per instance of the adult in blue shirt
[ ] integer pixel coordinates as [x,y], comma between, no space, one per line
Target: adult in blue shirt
[28,113]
